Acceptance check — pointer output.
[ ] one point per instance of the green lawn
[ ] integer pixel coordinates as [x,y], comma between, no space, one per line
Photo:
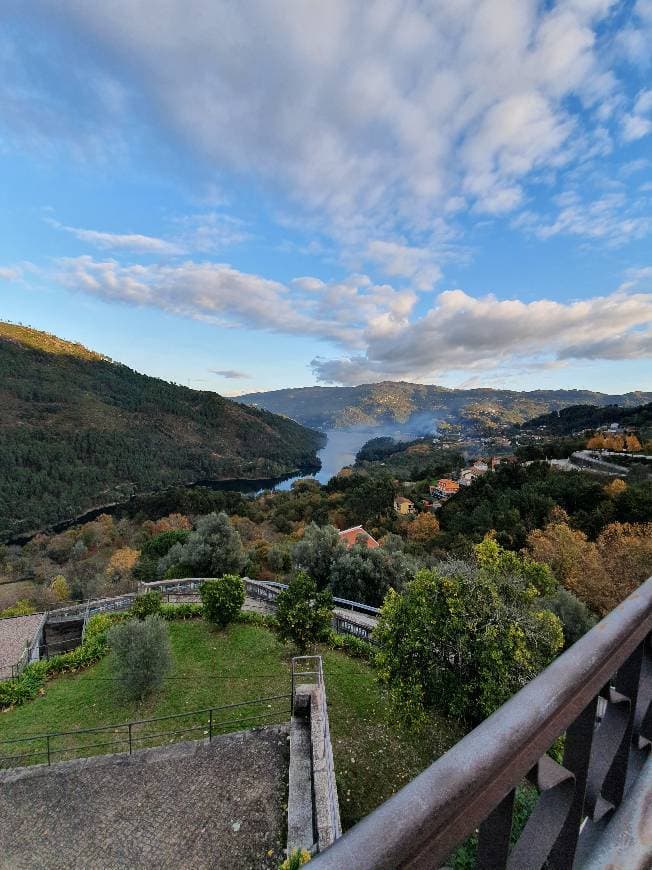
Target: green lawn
[373,757]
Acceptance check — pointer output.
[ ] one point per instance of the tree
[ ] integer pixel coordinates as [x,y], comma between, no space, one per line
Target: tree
[626,553]
[365,575]
[141,655]
[148,604]
[423,528]
[632,443]
[60,588]
[317,551]
[615,488]
[222,599]
[463,637]
[122,563]
[154,549]
[212,550]
[574,561]
[574,615]
[304,614]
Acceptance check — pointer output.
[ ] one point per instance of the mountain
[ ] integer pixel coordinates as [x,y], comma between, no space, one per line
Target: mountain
[79,430]
[393,403]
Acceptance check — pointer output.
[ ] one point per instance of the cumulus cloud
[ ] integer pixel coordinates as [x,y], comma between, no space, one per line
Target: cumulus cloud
[464,332]
[216,292]
[371,114]
[376,326]
[408,261]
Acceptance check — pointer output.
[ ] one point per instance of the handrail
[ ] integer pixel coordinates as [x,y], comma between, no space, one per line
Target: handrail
[133,737]
[421,824]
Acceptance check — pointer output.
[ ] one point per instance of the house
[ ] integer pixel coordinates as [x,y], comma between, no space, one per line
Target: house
[404,506]
[468,475]
[446,487]
[357,535]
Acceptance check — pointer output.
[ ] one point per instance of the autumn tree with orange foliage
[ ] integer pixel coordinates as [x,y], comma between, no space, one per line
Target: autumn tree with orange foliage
[171,523]
[615,488]
[603,573]
[121,564]
[423,528]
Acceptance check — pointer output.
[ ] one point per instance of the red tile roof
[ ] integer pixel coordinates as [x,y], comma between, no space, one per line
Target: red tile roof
[350,537]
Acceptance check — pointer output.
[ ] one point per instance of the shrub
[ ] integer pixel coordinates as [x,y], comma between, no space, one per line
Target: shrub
[140,655]
[60,588]
[222,599]
[21,608]
[186,610]
[148,604]
[303,614]
[296,859]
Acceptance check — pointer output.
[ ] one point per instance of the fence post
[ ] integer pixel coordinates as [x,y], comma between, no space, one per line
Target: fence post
[210,726]
[47,743]
[129,726]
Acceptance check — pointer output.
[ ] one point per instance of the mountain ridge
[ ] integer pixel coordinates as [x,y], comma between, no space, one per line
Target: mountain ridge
[78,429]
[399,402]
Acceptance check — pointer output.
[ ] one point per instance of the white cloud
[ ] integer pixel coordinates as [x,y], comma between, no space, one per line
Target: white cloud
[10,273]
[376,325]
[203,233]
[405,261]
[215,292]
[231,374]
[133,242]
[612,218]
[371,114]
[463,332]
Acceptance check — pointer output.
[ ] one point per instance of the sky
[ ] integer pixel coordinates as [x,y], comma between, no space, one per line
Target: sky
[249,196]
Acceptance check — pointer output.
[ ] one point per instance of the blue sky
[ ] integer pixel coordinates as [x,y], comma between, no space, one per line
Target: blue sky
[250,196]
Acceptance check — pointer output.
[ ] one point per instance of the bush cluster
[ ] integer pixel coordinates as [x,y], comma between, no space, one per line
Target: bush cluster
[222,599]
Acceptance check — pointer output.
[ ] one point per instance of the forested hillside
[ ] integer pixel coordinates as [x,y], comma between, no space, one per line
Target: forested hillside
[79,430]
[389,403]
[577,418]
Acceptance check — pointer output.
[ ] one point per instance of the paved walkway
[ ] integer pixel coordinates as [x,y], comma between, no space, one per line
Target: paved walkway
[15,634]
[191,805]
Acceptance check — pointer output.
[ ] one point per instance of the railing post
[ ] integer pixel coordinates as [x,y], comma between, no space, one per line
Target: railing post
[210,726]
[577,756]
[47,744]
[129,726]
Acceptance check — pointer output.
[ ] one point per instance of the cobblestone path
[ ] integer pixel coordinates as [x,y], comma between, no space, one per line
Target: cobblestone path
[191,805]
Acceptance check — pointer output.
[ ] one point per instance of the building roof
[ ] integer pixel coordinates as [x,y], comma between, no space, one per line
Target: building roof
[400,499]
[351,536]
[447,485]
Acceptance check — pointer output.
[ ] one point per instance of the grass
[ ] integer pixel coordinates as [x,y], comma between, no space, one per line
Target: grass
[374,757]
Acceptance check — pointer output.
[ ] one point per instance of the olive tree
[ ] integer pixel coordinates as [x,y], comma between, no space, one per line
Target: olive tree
[213,549]
[140,656]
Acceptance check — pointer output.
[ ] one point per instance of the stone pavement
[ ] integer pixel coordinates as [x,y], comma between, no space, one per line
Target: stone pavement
[191,805]
[15,633]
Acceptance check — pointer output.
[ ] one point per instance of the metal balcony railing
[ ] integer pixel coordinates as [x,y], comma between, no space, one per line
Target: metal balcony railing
[472,786]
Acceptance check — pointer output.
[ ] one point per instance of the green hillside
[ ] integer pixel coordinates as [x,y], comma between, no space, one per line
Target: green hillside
[79,430]
[577,418]
[391,403]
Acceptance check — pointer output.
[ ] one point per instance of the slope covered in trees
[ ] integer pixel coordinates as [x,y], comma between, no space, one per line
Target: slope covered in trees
[79,430]
[390,403]
[577,418]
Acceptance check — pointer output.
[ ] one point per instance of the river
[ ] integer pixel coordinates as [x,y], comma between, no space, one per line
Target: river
[340,450]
